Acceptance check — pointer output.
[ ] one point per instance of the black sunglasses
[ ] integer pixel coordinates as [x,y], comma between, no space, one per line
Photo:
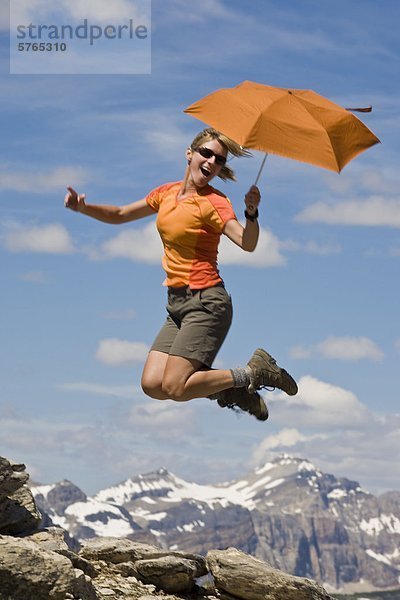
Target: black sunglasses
[207,153]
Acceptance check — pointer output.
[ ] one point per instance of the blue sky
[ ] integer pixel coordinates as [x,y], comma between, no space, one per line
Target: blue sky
[81,301]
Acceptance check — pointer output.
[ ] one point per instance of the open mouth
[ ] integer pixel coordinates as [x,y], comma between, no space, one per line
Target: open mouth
[205,171]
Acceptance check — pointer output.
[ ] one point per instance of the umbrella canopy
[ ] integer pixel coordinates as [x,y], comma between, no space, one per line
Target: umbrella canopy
[298,124]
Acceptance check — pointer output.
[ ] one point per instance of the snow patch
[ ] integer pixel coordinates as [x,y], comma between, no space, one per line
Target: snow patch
[42,489]
[121,494]
[156,532]
[379,557]
[391,522]
[286,459]
[305,465]
[261,482]
[104,519]
[139,512]
[191,526]
[157,516]
[239,485]
[371,527]
[148,500]
[375,525]
[60,521]
[274,484]
[337,493]
[267,467]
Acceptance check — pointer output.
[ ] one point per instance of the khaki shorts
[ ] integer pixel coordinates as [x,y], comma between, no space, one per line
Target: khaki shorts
[197,323]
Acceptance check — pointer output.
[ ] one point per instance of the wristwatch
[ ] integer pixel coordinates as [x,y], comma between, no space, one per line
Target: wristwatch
[251,217]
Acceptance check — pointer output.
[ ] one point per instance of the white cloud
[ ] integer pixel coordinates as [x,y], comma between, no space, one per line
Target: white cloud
[267,254]
[341,348]
[34,182]
[368,455]
[350,348]
[121,439]
[384,180]
[202,11]
[272,33]
[140,245]
[103,10]
[280,442]
[163,133]
[115,352]
[376,211]
[299,352]
[312,247]
[116,391]
[24,433]
[319,404]
[98,11]
[50,239]
[346,439]
[162,417]
[337,432]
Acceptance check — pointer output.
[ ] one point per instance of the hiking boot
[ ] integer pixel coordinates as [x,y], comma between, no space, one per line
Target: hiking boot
[266,373]
[241,398]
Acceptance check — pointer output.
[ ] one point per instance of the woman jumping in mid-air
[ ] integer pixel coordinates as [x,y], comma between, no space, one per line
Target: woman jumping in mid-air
[191,216]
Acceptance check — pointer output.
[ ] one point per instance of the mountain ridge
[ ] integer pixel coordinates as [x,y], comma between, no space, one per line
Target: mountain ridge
[287,512]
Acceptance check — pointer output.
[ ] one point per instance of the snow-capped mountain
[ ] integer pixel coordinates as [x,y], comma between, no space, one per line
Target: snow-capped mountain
[65,505]
[286,512]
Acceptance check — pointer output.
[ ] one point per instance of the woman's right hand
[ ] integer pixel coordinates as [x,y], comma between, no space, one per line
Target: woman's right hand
[74,201]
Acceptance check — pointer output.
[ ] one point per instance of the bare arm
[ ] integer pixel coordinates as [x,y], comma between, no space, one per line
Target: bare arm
[105,212]
[246,237]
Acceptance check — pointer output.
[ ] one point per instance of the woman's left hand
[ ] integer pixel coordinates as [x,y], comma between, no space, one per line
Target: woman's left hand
[252,199]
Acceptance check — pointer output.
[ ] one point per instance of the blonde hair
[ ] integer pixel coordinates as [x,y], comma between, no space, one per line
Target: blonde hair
[230,145]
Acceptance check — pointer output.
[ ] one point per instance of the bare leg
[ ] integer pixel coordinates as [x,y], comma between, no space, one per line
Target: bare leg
[181,379]
[152,375]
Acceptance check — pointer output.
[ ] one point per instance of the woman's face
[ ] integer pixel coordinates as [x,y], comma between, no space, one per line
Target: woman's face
[202,169]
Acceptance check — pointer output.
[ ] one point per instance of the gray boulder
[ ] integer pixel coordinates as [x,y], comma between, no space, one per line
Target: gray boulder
[29,571]
[173,574]
[12,476]
[50,538]
[116,550]
[246,577]
[18,511]
[57,540]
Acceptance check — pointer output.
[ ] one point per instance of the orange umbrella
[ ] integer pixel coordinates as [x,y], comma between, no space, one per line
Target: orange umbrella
[298,124]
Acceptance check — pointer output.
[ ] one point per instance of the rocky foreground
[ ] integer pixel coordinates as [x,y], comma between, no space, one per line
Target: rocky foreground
[46,563]
[286,512]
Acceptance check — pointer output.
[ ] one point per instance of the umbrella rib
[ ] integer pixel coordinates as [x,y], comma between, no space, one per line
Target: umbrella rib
[322,128]
[301,104]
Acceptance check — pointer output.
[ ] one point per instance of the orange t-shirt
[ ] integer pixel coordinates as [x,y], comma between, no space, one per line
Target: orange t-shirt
[190,231]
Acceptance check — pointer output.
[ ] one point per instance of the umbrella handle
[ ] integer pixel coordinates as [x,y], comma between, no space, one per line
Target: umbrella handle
[261,168]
